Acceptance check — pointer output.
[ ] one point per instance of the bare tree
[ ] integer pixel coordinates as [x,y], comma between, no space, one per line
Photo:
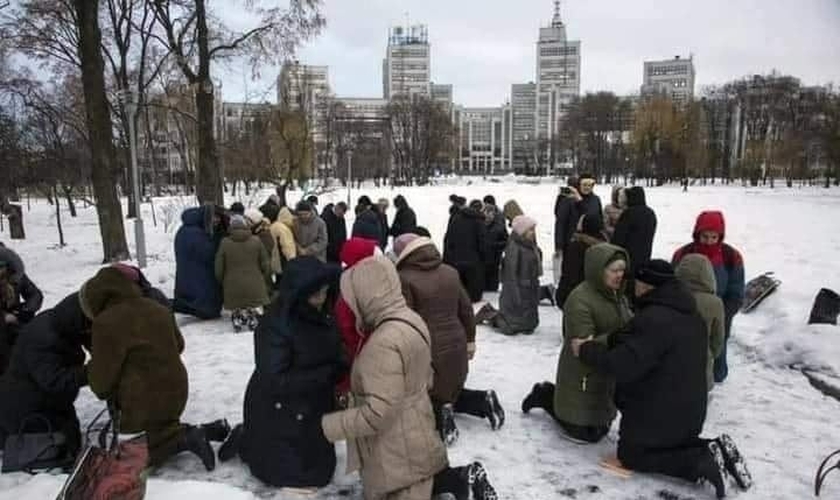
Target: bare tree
[423,136]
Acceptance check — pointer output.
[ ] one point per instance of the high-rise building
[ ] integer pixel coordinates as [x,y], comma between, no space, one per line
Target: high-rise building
[482,140]
[558,74]
[523,125]
[441,93]
[406,69]
[306,88]
[672,77]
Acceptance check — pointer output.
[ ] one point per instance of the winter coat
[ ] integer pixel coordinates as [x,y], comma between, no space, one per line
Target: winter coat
[520,297]
[695,271]
[726,261]
[574,265]
[383,223]
[263,232]
[136,353]
[405,221]
[197,292]
[659,364]
[496,241]
[13,260]
[589,204]
[368,225]
[298,357]
[242,266]
[465,241]
[565,221]
[336,233]
[433,290]
[281,230]
[635,229]
[390,426]
[612,212]
[47,370]
[311,237]
[20,297]
[353,339]
[583,395]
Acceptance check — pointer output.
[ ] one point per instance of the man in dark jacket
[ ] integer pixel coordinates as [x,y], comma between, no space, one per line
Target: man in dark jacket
[635,230]
[381,210]
[405,220]
[465,247]
[659,363]
[368,225]
[20,299]
[565,221]
[197,292]
[46,371]
[333,216]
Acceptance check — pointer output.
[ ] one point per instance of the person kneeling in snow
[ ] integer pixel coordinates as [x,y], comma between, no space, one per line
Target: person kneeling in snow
[135,363]
[659,363]
[390,426]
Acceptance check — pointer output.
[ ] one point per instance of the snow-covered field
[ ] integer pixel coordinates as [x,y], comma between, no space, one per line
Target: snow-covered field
[783,426]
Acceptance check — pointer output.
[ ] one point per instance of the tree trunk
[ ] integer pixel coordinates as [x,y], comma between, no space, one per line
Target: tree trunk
[68,193]
[98,118]
[15,216]
[58,217]
[281,193]
[208,176]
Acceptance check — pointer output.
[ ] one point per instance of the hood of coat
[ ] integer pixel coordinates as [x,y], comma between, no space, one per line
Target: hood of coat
[373,291]
[304,276]
[673,295]
[400,202]
[614,197]
[635,196]
[696,271]
[356,249]
[285,217]
[595,261]
[710,221]
[200,217]
[108,287]
[240,234]
[420,253]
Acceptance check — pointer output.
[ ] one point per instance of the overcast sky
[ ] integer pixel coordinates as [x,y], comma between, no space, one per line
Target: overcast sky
[484,46]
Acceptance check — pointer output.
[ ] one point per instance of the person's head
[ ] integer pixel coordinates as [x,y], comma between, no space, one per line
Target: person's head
[604,266]
[383,204]
[303,210]
[489,213]
[614,271]
[587,184]
[525,227]
[306,281]
[313,200]
[710,228]
[490,200]
[339,209]
[402,241]
[254,217]
[653,274]
[372,290]
[237,208]
[400,202]
[107,287]
[618,198]
[364,201]
[476,205]
[238,222]
[457,201]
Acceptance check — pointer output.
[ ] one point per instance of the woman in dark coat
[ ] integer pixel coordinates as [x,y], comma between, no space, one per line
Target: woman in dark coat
[20,299]
[590,232]
[464,247]
[634,232]
[197,292]
[299,358]
[405,220]
[497,237]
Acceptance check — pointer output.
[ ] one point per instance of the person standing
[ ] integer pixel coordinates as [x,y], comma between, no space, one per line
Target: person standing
[659,364]
[197,292]
[333,216]
[433,290]
[612,212]
[709,233]
[696,272]
[298,358]
[497,237]
[565,222]
[20,300]
[390,394]
[464,248]
[242,266]
[281,230]
[313,202]
[381,210]
[130,334]
[581,401]
[635,231]
[261,228]
[590,233]
[405,220]
[310,232]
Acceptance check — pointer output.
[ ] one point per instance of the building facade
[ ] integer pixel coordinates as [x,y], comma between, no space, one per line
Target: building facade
[523,126]
[406,69]
[672,77]
[481,142]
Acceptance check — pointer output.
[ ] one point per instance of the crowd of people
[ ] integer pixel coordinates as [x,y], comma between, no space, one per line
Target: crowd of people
[368,339]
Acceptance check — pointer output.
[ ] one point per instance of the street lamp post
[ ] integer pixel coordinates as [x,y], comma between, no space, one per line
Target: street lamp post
[349,176]
[128,98]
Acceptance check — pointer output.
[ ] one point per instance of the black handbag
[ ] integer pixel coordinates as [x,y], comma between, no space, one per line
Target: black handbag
[31,452]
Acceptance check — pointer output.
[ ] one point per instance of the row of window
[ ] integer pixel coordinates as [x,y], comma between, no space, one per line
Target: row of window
[559,63]
[409,52]
[668,70]
[559,51]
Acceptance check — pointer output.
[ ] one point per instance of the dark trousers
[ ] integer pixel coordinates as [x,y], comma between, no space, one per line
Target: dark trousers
[544,398]
[8,337]
[472,278]
[452,480]
[469,402]
[680,461]
[721,369]
[491,274]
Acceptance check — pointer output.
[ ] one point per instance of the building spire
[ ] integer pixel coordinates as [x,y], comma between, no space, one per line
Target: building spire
[556,22]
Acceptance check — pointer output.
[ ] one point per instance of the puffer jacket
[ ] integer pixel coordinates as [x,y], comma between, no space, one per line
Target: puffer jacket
[584,396]
[242,266]
[281,229]
[696,272]
[433,290]
[390,425]
[197,292]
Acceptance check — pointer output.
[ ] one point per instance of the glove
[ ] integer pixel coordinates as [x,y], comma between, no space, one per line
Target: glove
[470,350]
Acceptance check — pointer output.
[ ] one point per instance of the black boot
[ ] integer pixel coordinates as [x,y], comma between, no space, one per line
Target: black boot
[734,461]
[195,441]
[230,448]
[479,484]
[493,410]
[826,308]
[216,431]
[534,399]
[712,469]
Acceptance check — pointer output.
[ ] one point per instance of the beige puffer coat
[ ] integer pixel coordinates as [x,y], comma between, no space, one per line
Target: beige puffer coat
[390,426]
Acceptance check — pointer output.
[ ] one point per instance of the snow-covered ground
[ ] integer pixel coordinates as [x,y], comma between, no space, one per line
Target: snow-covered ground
[783,426]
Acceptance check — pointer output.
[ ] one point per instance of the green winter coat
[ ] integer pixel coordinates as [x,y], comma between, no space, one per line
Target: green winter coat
[696,272]
[584,396]
[135,353]
[242,267]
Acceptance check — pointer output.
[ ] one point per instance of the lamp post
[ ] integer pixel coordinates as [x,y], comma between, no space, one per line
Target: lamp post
[349,176]
[128,98]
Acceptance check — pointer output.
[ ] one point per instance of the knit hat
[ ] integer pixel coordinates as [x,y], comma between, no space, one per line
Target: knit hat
[402,241]
[238,222]
[237,208]
[254,216]
[476,205]
[303,206]
[489,200]
[522,223]
[656,273]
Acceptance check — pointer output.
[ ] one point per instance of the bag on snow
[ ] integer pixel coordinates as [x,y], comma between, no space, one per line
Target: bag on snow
[826,308]
[35,451]
[757,290]
[109,472]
